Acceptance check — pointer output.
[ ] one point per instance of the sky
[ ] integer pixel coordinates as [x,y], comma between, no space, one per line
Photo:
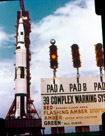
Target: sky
[66,21]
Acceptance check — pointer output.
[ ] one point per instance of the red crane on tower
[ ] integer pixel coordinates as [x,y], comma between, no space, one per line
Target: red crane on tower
[22,5]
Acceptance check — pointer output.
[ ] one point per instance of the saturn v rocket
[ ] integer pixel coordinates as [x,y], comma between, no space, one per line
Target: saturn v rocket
[20,73]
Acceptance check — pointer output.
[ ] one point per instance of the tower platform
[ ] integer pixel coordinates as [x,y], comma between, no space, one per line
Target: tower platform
[24,126]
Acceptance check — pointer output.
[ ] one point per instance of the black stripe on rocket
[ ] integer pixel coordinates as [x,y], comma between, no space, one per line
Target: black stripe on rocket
[22,103]
[22,72]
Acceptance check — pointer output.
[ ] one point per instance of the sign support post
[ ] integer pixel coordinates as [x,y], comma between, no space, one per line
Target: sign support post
[54,66]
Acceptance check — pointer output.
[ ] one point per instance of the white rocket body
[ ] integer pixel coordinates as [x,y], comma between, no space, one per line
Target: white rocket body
[20,73]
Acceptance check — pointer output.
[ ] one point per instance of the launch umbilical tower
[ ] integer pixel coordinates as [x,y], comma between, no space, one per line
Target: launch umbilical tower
[22,106]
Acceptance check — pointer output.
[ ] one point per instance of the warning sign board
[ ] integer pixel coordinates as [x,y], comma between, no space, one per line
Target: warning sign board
[68,103]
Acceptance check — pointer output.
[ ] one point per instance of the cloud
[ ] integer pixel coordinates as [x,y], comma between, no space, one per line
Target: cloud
[5,38]
[6,86]
[76,22]
[68,25]
[2,36]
